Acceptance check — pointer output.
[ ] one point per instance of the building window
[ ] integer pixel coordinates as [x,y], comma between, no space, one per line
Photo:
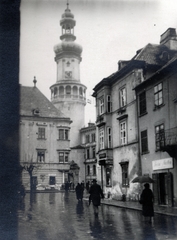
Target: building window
[101,105]
[123,133]
[122,97]
[144,142]
[101,138]
[125,181]
[40,156]
[41,133]
[109,137]
[158,94]
[88,153]
[87,138]
[159,136]
[63,157]
[108,177]
[88,170]
[63,134]
[109,104]
[93,137]
[93,152]
[94,170]
[142,103]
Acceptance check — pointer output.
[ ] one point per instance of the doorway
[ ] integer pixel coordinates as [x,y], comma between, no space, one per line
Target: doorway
[163,189]
[52,180]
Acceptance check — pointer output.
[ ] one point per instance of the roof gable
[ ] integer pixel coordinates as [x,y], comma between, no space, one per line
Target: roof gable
[31,98]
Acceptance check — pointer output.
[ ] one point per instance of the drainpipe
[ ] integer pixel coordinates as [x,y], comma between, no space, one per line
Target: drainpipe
[102,177]
[138,128]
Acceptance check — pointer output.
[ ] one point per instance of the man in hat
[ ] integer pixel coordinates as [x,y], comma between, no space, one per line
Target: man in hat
[95,196]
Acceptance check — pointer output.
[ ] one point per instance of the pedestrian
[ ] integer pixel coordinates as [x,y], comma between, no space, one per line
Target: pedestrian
[79,192]
[96,194]
[67,186]
[87,186]
[146,199]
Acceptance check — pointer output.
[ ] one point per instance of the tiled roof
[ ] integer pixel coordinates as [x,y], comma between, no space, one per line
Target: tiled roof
[31,98]
[151,54]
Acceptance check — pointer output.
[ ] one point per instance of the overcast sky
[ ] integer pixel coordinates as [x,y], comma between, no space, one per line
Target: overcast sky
[108,30]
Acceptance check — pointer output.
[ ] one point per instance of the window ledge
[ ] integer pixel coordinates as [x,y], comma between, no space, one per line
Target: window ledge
[63,140]
[158,107]
[145,153]
[41,138]
[141,115]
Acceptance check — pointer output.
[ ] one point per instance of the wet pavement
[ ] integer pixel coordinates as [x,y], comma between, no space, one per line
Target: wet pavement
[53,216]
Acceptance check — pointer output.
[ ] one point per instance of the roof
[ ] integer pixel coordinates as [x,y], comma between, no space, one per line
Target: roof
[31,98]
[151,54]
[170,66]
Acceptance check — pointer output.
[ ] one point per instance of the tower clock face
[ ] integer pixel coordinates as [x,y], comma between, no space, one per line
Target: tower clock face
[68,74]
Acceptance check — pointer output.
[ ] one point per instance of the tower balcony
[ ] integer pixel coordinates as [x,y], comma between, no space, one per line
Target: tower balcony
[169,144]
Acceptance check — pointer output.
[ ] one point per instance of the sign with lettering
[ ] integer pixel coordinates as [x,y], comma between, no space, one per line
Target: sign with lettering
[165,163]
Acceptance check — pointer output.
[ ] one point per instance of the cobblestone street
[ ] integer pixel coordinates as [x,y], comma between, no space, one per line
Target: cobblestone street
[50,216]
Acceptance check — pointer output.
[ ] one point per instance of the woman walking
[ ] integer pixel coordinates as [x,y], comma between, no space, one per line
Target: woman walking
[146,200]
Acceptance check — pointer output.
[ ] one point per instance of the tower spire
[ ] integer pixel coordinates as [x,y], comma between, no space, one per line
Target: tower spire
[67,4]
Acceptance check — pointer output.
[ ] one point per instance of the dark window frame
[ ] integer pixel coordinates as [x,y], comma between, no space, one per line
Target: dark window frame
[144,141]
[142,103]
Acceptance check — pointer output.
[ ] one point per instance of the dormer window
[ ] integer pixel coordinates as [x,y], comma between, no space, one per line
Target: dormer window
[36,112]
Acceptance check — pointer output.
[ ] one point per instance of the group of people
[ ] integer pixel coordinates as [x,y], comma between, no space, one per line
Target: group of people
[95,192]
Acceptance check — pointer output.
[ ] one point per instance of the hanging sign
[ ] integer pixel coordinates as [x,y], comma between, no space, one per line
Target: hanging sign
[165,163]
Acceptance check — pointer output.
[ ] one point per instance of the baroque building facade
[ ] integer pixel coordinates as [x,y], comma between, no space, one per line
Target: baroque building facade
[44,141]
[88,141]
[136,123]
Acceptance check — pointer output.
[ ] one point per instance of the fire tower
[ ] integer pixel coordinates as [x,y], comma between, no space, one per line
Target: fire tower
[68,93]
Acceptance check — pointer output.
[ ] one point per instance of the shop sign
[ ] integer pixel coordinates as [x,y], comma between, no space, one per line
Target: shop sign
[165,163]
[102,155]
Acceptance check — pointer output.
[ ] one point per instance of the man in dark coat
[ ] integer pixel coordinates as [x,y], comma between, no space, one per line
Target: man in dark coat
[95,196]
[146,200]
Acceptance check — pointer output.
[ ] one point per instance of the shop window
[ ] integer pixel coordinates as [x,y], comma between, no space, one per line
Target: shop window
[108,177]
[125,180]
[158,95]
[144,142]
[142,103]
[40,156]
[159,136]
[123,133]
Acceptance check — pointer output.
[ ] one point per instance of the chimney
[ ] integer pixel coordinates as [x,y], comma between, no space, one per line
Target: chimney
[169,39]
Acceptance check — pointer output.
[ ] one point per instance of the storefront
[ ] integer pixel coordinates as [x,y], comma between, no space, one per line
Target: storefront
[163,181]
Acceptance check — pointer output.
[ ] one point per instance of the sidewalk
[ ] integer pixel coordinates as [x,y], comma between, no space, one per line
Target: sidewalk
[170,211]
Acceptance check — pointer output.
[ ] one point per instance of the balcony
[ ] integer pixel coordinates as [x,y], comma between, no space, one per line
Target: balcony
[170,143]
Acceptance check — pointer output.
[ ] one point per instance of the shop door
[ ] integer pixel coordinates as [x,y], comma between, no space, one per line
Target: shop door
[169,184]
[163,188]
[52,180]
